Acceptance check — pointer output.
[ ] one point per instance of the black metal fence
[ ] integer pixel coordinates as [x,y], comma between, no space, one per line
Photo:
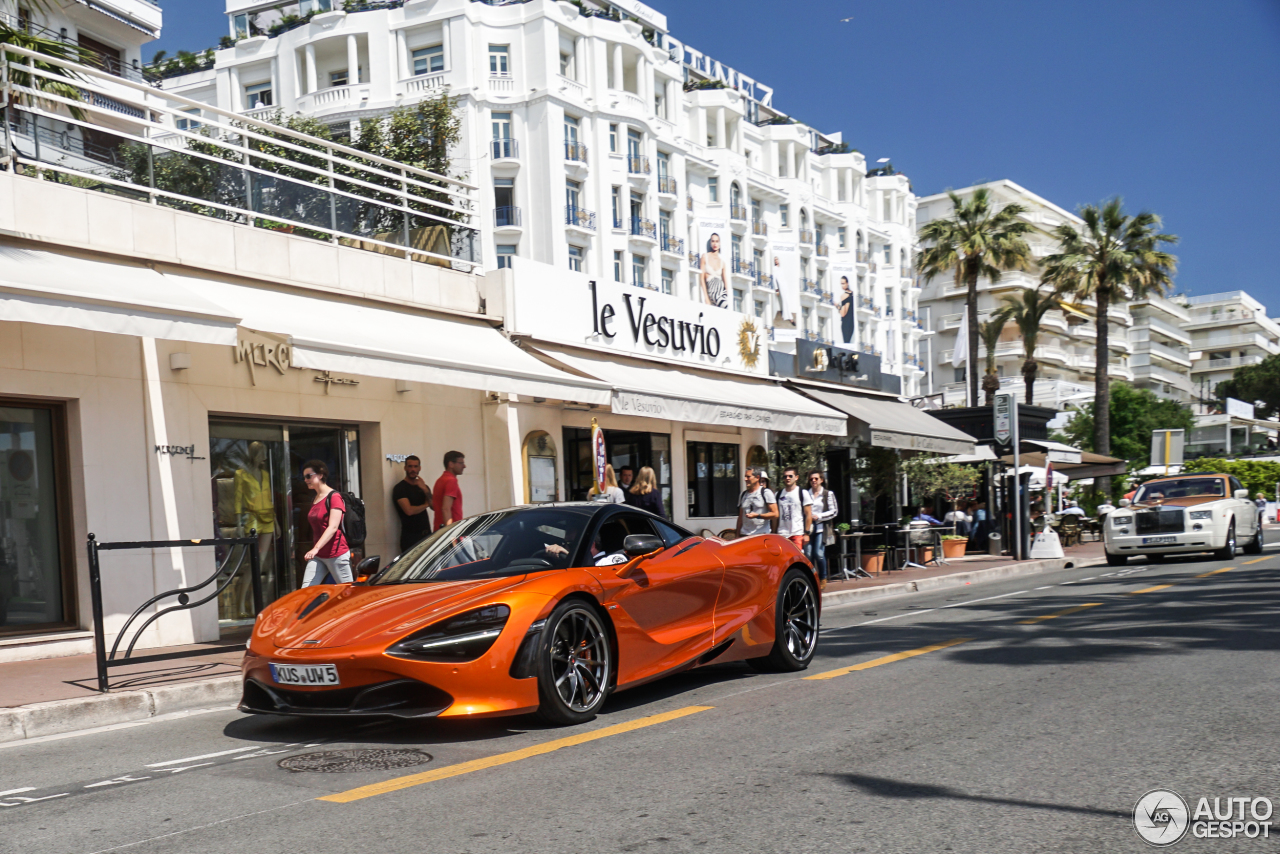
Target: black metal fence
[108,659]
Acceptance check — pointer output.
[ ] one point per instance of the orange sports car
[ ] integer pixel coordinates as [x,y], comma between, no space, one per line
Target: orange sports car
[548,608]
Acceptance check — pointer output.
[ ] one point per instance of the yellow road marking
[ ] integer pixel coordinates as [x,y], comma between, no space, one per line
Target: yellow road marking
[1150,589]
[1064,612]
[1215,572]
[1258,560]
[398,783]
[888,659]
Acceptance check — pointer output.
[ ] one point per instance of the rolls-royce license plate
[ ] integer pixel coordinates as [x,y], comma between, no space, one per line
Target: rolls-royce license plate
[1154,541]
[305,674]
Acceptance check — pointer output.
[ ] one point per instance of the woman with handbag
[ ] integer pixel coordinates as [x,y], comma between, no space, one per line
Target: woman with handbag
[822,533]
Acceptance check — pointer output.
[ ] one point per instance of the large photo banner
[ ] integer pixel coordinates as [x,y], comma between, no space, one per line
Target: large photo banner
[786,275]
[843,278]
[713,270]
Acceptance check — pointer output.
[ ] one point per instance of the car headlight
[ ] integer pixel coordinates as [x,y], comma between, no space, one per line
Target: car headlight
[1121,520]
[462,638]
[1201,514]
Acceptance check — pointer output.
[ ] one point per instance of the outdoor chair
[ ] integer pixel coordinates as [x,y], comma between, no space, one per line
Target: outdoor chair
[1069,530]
[919,538]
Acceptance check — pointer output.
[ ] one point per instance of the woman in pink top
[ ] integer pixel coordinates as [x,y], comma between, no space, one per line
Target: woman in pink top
[330,556]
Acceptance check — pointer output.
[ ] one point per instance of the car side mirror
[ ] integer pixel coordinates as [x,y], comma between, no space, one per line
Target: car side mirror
[1124,502]
[642,545]
[367,568]
[1242,493]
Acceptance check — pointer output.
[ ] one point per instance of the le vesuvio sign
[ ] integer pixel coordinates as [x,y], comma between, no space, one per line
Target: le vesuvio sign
[551,305]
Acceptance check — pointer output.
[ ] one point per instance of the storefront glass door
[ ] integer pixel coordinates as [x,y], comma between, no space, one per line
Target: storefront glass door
[623,448]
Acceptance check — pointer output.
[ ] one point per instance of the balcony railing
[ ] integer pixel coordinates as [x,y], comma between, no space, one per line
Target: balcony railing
[641,227]
[504,148]
[575,151]
[506,217]
[641,283]
[695,260]
[743,268]
[579,217]
[766,282]
[674,245]
[863,257]
[824,250]
[759,228]
[93,58]
[233,167]
[737,212]
[806,236]
[807,286]
[688,203]
[638,165]
[667,185]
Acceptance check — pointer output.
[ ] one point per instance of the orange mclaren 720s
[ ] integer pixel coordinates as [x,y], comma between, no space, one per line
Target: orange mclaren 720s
[545,609]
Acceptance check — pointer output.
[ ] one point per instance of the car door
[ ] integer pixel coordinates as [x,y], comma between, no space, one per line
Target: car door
[662,605]
[1246,513]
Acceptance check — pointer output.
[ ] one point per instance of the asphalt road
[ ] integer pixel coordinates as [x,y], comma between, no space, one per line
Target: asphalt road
[1037,733]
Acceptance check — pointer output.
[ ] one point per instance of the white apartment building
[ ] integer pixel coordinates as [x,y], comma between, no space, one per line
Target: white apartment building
[1228,330]
[1161,347]
[1067,348]
[604,145]
[111,32]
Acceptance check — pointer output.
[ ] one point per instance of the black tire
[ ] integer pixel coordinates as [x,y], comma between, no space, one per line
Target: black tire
[795,633]
[1254,546]
[575,658]
[1228,551]
[1117,560]
[1158,558]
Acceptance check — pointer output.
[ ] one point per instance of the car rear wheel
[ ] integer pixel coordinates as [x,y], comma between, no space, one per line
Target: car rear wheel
[575,664]
[795,625]
[1228,550]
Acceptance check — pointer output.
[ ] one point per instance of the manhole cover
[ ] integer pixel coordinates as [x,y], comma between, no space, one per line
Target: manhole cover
[361,759]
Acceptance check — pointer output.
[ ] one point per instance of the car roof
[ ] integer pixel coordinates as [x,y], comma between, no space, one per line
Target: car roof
[1196,475]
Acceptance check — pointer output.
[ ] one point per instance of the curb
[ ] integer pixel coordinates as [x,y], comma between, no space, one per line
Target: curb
[59,716]
[1010,570]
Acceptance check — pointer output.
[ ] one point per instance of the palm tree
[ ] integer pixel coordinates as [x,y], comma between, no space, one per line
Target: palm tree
[975,241]
[1114,255]
[51,47]
[1027,311]
[989,332]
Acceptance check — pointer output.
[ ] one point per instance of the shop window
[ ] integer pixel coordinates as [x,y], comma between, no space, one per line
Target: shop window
[714,483]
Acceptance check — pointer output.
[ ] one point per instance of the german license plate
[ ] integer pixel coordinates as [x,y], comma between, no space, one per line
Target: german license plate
[1155,541]
[305,674]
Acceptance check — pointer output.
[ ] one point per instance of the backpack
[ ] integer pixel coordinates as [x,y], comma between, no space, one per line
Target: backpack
[353,525]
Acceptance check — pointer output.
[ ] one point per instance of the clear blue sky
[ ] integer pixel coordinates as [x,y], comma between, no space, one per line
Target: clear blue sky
[1171,104]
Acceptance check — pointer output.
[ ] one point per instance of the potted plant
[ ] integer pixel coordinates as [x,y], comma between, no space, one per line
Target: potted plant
[954,545]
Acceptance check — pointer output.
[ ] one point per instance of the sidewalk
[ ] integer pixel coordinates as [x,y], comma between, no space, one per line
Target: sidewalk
[56,695]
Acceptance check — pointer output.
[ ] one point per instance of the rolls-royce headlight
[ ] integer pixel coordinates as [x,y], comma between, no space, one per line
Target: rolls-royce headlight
[1201,514]
[1121,520]
[462,638]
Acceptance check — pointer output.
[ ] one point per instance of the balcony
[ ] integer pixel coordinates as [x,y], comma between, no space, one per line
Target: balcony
[695,260]
[668,186]
[641,283]
[1156,373]
[506,217]
[688,203]
[503,84]
[672,245]
[740,267]
[579,218]
[806,236]
[808,286]
[862,257]
[424,84]
[638,165]
[504,148]
[737,212]
[764,282]
[823,250]
[1165,352]
[103,62]
[759,228]
[575,152]
[645,228]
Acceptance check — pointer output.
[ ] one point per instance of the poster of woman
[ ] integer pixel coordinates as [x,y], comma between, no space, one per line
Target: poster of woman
[846,298]
[713,270]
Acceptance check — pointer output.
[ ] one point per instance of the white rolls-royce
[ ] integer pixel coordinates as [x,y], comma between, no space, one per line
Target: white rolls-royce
[1186,513]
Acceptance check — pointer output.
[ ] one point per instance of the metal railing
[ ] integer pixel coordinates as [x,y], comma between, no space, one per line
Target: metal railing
[668,185]
[504,148]
[759,228]
[218,581]
[862,256]
[638,165]
[507,216]
[806,236]
[644,228]
[674,245]
[824,250]
[688,203]
[737,212]
[741,267]
[765,282]
[235,168]
[575,151]
[579,217]
[101,61]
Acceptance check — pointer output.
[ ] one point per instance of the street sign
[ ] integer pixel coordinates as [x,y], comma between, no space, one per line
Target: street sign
[1005,408]
[1166,447]
[1239,409]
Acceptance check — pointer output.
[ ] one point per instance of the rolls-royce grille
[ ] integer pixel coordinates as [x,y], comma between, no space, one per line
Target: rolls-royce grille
[1166,520]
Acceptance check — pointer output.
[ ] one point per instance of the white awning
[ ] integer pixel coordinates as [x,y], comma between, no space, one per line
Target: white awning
[891,423]
[681,395]
[1055,452]
[101,296]
[344,337]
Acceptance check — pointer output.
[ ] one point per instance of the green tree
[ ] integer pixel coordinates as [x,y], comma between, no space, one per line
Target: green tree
[976,240]
[1134,414]
[1115,256]
[1259,384]
[1027,310]
[928,476]
[63,83]
[989,332]
[1256,475]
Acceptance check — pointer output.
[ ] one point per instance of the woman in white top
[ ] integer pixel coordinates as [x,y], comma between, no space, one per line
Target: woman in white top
[612,492]
[824,512]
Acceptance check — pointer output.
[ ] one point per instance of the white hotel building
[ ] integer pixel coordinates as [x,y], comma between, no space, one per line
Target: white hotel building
[598,152]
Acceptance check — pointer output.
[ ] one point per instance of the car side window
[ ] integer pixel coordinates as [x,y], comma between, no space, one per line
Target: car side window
[611,535]
[670,534]
[1235,484]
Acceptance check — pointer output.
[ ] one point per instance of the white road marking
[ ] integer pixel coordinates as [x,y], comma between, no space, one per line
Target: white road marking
[18,791]
[1047,587]
[987,599]
[894,617]
[197,758]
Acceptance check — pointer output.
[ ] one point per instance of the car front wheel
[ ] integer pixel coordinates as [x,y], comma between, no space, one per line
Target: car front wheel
[575,664]
[795,637]
[1228,550]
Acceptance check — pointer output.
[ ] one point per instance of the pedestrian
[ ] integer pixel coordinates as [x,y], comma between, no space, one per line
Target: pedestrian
[329,556]
[1261,502]
[626,475]
[960,518]
[644,493]
[446,495]
[924,514]
[412,498]
[1072,510]
[612,492]
[821,532]
[795,509]
[757,505]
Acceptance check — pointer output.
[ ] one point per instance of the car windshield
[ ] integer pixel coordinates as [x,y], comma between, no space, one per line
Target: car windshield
[1164,490]
[493,545]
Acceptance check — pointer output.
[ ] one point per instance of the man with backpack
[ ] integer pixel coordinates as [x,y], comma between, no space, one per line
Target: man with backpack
[757,506]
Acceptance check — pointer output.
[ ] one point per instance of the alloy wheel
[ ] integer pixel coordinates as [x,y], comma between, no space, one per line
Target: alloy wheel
[800,616]
[580,659]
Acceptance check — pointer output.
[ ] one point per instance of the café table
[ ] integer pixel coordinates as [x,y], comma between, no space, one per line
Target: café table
[857,571]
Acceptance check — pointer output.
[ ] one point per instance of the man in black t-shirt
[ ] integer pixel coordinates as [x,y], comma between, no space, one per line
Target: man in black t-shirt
[412,498]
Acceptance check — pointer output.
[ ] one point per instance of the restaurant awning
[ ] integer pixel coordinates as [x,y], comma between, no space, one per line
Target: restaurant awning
[680,394]
[1090,465]
[56,289]
[887,422]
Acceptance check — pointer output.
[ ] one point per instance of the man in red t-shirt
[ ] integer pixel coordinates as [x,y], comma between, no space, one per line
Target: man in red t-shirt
[446,497]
